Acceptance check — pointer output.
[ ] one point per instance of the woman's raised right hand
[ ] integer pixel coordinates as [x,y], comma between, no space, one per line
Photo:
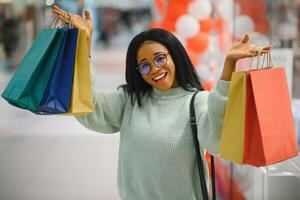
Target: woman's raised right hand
[77,21]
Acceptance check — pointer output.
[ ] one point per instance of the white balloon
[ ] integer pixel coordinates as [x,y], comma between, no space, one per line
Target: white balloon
[226,9]
[180,38]
[241,25]
[187,26]
[200,9]
[204,72]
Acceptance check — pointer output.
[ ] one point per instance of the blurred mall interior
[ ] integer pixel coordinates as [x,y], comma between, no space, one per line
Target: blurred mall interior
[54,157]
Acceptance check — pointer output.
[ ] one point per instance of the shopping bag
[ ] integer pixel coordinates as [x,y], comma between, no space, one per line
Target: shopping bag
[56,98]
[27,85]
[82,97]
[232,137]
[267,135]
[269,132]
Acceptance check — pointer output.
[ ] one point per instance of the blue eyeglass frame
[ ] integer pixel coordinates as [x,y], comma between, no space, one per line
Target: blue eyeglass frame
[153,61]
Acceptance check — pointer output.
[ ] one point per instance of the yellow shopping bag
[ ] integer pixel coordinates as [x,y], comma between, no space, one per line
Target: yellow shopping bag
[234,121]
[81,98]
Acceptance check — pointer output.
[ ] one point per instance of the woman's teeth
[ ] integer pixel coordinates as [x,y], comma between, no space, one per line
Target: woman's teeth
[160,76]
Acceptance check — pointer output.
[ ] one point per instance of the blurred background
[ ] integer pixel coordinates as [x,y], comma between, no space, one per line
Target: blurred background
[53,157]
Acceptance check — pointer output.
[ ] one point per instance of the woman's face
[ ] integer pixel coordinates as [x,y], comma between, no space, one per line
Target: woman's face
[162,70]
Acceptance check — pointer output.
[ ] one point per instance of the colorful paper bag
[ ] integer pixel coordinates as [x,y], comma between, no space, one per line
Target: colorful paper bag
[57,95]
[270,131]
[28,84]
[82,97]
[232,137]
[265,134]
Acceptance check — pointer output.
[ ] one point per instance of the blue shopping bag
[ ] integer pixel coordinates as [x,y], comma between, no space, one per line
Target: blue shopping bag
[28,84]
[56,98]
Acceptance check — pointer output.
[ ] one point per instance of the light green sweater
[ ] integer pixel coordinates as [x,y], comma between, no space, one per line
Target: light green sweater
[157,159]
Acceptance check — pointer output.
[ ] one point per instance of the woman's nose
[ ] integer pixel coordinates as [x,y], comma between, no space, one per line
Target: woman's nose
[154,68]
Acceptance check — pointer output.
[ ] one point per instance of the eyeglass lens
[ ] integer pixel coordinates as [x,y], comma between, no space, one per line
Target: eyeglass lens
[159,61]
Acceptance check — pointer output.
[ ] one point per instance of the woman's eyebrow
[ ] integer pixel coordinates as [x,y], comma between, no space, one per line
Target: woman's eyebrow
[144,59]
[156,53]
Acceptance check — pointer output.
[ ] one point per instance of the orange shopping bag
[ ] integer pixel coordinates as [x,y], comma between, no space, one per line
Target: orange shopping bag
[269,132]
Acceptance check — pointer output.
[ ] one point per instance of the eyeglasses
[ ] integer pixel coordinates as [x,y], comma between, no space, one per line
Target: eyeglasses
[159,60]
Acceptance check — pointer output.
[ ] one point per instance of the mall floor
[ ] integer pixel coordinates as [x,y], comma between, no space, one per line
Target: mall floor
[54,157]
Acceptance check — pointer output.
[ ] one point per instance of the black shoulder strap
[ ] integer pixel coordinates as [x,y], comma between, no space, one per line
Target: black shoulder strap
[198,154]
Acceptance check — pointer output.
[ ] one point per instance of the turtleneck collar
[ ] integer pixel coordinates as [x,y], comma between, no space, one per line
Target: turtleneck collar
[169,94]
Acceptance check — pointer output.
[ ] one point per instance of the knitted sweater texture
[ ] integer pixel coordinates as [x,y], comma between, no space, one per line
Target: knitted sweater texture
[157,159]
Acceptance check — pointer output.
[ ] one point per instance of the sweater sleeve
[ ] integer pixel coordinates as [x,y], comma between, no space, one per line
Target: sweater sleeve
[108,114]
[210,110]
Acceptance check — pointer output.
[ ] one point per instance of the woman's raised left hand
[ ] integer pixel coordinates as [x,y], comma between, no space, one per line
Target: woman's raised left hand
[243,50]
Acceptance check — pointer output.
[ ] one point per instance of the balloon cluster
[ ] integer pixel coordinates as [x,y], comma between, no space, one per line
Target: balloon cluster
[190,21]
[200,24]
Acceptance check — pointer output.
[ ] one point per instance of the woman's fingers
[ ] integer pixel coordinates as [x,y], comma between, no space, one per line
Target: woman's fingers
[56,6]
[87,14]
[66,17]
[245,39]
[259,50]
[57,10]
[267,48]
[265,51]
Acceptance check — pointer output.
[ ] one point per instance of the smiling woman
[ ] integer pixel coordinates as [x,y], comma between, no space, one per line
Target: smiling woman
[161,74]
[161,62]
[157,158]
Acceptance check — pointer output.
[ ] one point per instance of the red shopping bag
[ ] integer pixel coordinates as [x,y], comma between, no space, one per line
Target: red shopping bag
[269,129]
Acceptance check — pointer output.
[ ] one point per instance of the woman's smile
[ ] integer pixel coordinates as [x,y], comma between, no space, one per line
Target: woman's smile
[160,77]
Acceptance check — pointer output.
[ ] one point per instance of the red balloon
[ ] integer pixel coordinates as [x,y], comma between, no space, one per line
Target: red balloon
[207,85]
[168,24]
[262,7]
[194,57]
[161,7]
[176,9]
[247,9]
[154,24]
[220,24]
[262,26]
[256,9]
[245,3]
[206,25]
[198,43]
[224,41]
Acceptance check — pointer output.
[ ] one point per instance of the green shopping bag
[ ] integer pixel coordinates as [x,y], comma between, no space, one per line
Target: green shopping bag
[26,87]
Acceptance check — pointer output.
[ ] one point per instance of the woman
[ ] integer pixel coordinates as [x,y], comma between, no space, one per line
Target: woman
[157,155]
